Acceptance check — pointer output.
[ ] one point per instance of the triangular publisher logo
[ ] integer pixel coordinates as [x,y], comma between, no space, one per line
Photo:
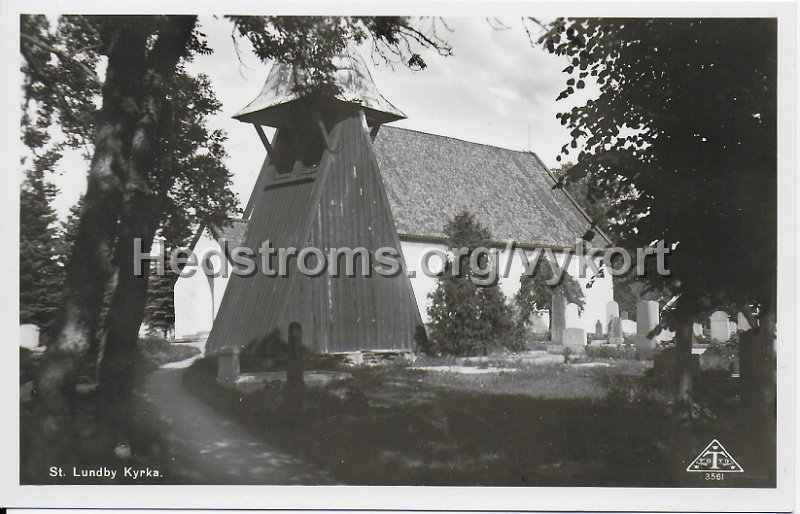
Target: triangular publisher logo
[716,459]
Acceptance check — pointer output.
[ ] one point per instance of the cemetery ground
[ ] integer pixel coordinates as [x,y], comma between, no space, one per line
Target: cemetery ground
[524,419]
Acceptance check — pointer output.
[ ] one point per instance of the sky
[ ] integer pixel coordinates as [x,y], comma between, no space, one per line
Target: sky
[496,89]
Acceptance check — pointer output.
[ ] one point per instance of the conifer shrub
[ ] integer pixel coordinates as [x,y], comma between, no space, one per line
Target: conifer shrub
[468,319]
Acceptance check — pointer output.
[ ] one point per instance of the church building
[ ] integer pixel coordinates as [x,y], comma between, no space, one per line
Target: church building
[338,174]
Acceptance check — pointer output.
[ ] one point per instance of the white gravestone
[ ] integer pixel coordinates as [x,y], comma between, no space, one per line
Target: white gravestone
[742,322]
[615,331]
[720,327]
[575,338]
[539,322]
[646,316]
[697,328]
[646,321]
[628,327]
[28,336]
[612,311]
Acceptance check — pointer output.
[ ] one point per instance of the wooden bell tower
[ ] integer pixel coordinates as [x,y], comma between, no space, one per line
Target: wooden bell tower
[320,187]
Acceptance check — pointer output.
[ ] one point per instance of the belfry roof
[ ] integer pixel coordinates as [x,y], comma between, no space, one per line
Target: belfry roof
[352,76]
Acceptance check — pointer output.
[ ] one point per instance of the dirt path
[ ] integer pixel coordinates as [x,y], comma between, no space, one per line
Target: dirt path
[211,449]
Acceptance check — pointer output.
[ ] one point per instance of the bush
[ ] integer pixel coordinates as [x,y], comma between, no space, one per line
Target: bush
[536,290]
[422,344]
[610,352]
[469,319]
[720,359]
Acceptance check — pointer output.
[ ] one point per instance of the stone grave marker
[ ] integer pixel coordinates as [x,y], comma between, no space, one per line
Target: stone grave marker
[539,322]
[628,327]
[575,338]
[615,331]
[646,320]
[720,328]
[612,311]
[558,312]
[646,316]
[28,336]
[742,322]
[294,392]
[228,367]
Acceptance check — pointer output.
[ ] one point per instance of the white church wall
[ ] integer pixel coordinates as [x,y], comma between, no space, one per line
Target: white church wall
[422,284]
[194,311]
[196,303]
[596,297]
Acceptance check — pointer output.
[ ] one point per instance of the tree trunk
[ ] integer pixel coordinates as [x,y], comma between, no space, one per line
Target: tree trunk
[294,392]
[90,259]
[682,436]
[683,381]
[758,376]
[124,319]
[129,129]
[126,310]
[768,388]
[143,209]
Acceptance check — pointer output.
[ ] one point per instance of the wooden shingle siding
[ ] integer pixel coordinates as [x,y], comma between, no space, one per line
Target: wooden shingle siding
[345,206]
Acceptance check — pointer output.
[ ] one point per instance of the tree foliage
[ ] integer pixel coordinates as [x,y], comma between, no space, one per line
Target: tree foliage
[41,270]
[628,288]
[536,290]
[117,87]
[596,207]
[65,92]
[159,313]
[189,175]
[309,43]
[465,318]
[682,135]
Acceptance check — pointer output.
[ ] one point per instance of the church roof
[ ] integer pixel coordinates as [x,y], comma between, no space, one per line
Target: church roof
[431,178]
[233,232]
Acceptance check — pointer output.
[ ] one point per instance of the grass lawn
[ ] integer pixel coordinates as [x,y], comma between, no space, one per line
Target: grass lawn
[534,425]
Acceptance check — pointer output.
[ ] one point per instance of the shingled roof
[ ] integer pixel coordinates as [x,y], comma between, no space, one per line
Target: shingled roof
[233,232]
[431,178]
